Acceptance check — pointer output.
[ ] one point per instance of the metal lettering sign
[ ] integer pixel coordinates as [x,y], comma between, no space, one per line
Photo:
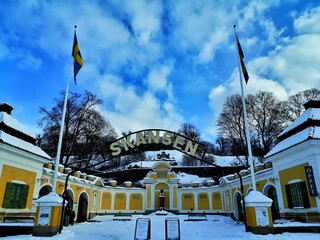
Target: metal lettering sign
[157,139]
[311,182]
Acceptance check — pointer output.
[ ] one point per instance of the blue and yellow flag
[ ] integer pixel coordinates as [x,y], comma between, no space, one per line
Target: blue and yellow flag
[78,62]
[243,67]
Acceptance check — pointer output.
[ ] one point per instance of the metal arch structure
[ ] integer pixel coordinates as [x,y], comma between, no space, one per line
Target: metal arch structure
[155,140]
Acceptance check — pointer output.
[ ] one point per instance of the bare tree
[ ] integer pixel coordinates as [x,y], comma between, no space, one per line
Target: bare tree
[85,128]
[231,124]
[295,102]
[192,132]
[268,116]
[224,146]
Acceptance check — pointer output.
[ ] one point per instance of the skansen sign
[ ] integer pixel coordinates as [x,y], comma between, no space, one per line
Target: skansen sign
[148,139]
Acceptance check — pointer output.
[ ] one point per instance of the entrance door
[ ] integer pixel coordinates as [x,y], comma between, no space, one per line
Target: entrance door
[45,190]
[82,208]
[238,207]
[271,192]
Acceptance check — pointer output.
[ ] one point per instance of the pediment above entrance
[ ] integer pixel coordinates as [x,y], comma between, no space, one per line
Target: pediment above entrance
[162,166]
[161,171]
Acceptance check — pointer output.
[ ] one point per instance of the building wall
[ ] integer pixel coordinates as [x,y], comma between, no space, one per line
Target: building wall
[288,167]
[21,167]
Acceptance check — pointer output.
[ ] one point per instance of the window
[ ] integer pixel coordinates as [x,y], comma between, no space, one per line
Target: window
[216,195]
[16,195]
[187,196]
[297,195]
[120,196]
[203,196]
[135,196]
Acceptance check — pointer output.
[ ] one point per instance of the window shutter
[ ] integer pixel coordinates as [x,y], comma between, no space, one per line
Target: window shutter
[304,193]
[289,197]
[7,195]
[24,196]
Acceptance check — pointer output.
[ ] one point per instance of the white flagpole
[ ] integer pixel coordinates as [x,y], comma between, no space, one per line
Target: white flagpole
[56,164]
[253,180]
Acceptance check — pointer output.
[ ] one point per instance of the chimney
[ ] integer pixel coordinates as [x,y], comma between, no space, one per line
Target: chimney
[5,108]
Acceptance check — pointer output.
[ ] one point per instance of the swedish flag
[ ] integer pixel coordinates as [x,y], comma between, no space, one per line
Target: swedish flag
[78,62]
[243,67]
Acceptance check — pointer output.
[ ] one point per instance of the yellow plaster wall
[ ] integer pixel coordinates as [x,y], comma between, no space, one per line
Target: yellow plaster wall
[152,175]
[171,175]
[148,196]
[216,201]
[296,172]
[106,200]
[55,216]
[59,187]
[161,166]
[261,184]
[120,201]
[203,203]
[187,203]
[10,173]
[175,196]
[135,203]
[251,217]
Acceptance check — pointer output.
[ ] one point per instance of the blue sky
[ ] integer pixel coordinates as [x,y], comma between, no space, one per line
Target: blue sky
[155,64]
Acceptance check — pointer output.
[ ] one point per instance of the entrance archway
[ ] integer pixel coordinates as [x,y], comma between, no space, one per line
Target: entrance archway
[271,192]
[82,208]
[166,195]
[45,190]
[238,207]
[69,197]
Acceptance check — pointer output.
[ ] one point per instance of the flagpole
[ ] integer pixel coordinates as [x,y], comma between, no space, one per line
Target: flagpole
[253,180]
[56,164]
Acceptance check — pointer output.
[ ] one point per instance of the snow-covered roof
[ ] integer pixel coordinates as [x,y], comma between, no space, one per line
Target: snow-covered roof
[312,132]
[52,199]
[303,128]
[21,144]
[11,122]
[257,197]
[15,141]
[311,113]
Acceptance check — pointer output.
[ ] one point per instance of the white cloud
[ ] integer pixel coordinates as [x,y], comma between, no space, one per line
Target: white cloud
[145,18]
[308,22]
[157,80]
[133,111]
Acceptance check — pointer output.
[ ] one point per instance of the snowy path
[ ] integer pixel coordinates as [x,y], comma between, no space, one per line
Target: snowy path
[217,227]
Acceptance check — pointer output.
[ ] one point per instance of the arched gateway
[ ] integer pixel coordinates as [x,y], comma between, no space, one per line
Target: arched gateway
[161,186]
[155,140]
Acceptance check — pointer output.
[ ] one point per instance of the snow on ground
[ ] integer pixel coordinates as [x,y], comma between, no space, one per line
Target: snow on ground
[217,227]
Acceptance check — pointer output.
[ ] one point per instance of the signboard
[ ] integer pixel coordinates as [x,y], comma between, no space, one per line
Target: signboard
[160,137]
[262,216]
[311,182]
[142,231]
[172,229]
[44,216]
